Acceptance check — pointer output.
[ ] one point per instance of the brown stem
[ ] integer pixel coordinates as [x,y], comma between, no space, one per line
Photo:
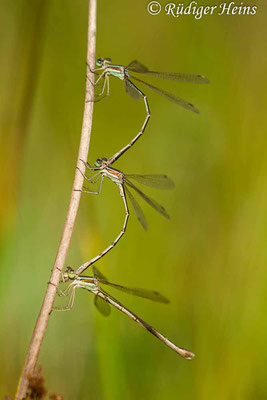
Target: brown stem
[42,320]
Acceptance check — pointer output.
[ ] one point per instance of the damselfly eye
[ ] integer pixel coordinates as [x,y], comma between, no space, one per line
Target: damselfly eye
[99,62]
[98,163]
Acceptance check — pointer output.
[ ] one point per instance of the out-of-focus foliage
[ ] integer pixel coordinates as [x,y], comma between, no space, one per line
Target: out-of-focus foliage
[210,259]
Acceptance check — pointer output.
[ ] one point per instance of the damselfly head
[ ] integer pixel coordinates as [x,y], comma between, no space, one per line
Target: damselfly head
[69,274]
[103,62]
[100,162]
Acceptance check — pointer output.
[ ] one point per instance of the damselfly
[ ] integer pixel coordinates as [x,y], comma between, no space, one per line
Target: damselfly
[102,166]
[124,73]
[103,300]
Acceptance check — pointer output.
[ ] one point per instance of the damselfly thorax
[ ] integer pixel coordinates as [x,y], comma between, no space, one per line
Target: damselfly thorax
[115,175]
[118,71]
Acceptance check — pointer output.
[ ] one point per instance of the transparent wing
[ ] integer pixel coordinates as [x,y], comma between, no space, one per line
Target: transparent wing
[102,306]
[151,202]
[98,275]
[132,90]
[176,76]
[136,66]
[156,181]
[147,294]
[171,97]
[138,210]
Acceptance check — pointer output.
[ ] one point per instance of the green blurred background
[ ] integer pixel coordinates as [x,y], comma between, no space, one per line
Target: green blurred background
[210,259]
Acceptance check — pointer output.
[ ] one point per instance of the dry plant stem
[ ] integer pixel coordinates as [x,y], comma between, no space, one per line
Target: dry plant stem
[42,321]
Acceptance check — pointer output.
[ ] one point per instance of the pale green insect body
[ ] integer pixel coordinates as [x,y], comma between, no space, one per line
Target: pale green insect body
[86,283]
[114,175]
[118,71]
